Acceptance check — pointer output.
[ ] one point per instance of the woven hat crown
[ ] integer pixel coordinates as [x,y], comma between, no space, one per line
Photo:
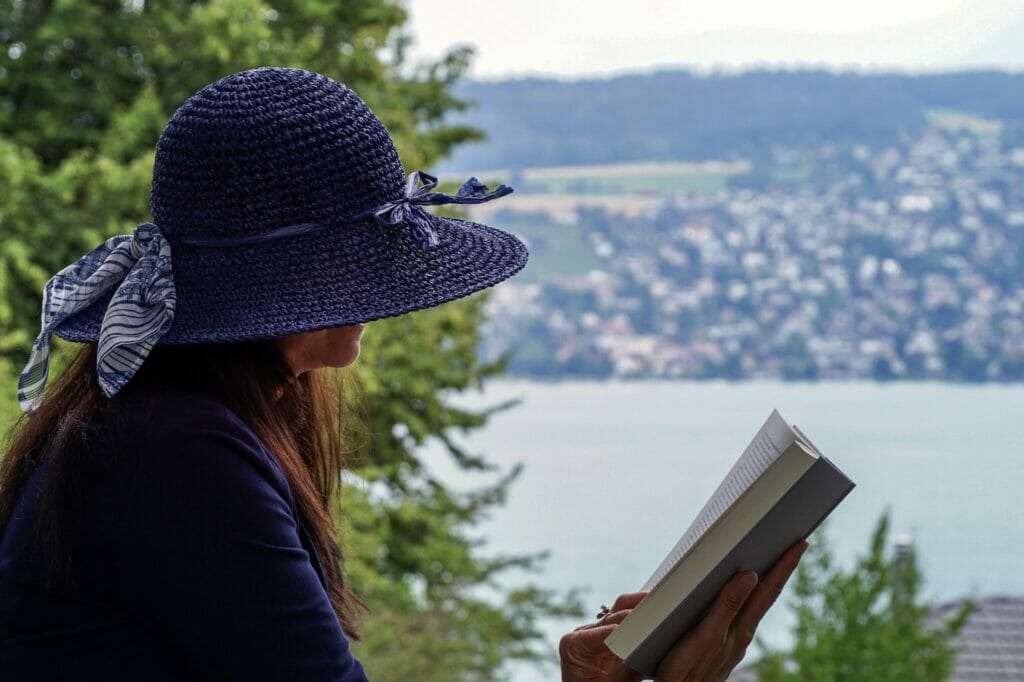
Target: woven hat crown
[270,147]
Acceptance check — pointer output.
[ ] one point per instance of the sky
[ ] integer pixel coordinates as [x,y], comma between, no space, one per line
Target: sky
[573,38]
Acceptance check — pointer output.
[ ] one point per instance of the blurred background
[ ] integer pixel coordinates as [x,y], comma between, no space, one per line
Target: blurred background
[730,207]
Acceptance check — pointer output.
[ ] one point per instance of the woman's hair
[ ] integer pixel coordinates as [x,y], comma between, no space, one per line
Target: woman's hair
[299,419]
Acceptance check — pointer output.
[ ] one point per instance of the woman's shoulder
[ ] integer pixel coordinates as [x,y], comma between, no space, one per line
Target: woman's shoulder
[174,411]
[177,437]
[150,418]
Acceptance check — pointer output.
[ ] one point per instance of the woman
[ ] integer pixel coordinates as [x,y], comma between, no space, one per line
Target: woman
[165,508]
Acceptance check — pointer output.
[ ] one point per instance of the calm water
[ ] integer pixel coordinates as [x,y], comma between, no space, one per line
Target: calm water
[614,472]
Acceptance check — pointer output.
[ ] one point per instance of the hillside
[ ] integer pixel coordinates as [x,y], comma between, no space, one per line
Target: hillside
[679,115]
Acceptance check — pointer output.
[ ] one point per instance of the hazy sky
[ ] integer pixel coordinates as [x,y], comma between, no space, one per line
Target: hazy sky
[571,38]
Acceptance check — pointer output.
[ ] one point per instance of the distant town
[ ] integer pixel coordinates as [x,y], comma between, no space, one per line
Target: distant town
[824,261]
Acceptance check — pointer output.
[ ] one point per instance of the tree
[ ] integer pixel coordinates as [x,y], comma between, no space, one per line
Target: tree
[85,89]
[412,532]
[867,623]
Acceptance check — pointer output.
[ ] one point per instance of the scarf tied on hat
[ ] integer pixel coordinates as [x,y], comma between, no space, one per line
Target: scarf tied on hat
[139,313]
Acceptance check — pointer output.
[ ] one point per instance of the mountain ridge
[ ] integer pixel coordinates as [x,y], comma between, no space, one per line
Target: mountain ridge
[679,114]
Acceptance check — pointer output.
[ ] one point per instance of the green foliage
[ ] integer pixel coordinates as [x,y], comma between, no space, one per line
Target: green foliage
[867,623]
[410,552]
[85,89]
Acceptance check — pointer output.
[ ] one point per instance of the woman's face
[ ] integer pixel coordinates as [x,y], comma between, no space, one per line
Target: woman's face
[333,347]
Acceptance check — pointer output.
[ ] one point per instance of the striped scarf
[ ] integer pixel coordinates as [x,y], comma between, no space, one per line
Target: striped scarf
[139,313]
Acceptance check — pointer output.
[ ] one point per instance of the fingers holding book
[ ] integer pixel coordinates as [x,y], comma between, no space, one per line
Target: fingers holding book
[585,656]
[757,604]
[704,653]
[627,601]
[621,608]
[710,651]
[767,591]
[610,618]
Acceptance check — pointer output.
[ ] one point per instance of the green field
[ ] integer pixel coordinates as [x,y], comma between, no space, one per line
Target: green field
[953,119]
[643,178]
[668,183]
[793,175]
[555,248]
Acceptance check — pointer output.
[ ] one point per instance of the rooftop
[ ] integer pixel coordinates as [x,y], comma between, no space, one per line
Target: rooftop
[992,641]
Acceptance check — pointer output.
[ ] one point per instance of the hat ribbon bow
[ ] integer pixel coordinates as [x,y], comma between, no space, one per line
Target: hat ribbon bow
[138,314]
[407,209]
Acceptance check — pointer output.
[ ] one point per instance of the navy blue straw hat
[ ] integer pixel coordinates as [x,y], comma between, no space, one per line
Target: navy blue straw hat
[279,206]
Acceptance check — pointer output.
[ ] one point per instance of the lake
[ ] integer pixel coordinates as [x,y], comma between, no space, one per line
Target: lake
[615,472]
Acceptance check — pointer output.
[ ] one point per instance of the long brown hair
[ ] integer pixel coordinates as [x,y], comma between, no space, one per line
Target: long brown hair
[299,419]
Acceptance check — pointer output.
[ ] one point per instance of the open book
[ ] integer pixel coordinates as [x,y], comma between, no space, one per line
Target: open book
[777,492]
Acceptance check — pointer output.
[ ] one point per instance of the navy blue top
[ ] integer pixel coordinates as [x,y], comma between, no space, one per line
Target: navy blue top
[193,562]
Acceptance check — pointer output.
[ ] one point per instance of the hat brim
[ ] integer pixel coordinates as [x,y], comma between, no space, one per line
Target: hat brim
[346,274]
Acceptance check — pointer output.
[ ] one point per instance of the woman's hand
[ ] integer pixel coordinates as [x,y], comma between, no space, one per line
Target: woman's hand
[707,653]
[584,654]
[717,644]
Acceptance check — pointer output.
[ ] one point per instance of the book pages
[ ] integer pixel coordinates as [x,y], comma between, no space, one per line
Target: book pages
[771,440]
[806,441]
